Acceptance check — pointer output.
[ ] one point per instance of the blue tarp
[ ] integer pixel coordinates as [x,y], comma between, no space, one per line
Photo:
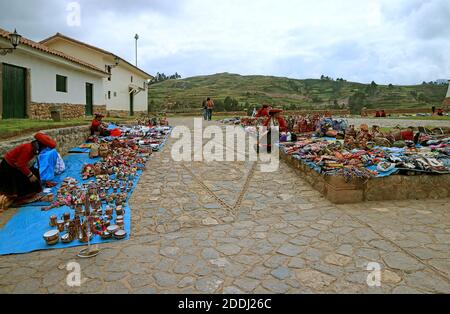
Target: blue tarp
[24,231]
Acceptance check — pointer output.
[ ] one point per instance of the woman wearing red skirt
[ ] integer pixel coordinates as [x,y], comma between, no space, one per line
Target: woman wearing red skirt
[19,179]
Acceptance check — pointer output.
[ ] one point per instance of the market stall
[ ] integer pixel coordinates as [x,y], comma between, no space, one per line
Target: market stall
[340,158]
[90,199]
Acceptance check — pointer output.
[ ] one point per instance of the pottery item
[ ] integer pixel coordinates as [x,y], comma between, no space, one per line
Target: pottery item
[66,238]
[51,237]
[66,217]
[61,225]
[119,235]
[53,220]
[113,229]
[106,235]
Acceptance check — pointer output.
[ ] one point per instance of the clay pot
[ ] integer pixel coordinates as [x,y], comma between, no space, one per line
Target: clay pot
[120,234]
[51,237]
[53,221]
[66,217]
[61,225]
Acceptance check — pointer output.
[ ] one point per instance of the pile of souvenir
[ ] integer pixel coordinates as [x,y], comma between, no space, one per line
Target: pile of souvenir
[98,205]
[366,153]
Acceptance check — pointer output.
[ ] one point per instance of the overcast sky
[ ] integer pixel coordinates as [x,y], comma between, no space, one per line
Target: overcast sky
[389,41]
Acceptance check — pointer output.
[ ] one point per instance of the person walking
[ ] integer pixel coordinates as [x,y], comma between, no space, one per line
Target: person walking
[210,107]
[205,109]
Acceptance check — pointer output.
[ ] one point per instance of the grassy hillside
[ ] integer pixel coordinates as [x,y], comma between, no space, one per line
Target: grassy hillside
[248,91]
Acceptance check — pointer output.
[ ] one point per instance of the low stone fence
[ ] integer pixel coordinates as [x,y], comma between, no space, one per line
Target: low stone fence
[66,139]
[396,187]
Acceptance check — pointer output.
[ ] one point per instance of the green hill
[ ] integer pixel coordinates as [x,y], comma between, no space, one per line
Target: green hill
[243,92]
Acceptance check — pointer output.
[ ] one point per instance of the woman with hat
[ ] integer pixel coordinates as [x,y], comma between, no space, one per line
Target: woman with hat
[98,127]
[19,179]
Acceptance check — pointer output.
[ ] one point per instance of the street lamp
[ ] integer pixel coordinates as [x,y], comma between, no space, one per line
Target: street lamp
[14,38]
[137,38]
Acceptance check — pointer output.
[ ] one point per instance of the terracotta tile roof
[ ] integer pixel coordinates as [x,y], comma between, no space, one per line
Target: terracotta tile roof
[38,46]
[59,35]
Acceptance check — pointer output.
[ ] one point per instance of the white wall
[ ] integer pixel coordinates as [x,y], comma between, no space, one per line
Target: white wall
[119,84]
[121,76]
[448,92]
[43,80]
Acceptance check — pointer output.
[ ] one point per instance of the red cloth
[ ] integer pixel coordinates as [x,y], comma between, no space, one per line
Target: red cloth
[20,156]
[407,136]
[116,133]
[281,123]
[210,104]
[263,112]
[95,125]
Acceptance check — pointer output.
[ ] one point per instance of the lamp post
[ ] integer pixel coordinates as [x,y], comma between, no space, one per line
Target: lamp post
[14,38]
[136,37]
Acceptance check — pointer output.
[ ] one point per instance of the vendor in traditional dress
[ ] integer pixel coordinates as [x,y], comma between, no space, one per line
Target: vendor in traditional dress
[19,179]
[98,127]
[275,119]
[263,112]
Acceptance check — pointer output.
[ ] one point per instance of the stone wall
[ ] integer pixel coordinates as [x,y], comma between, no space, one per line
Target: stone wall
[396,187]
[42,111]
[100,109]
[66,139]
[125,113]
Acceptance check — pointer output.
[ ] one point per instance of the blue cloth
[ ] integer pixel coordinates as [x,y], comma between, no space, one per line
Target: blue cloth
[47,163]
[382,174]
[79,150]
[112,126]
[24,231]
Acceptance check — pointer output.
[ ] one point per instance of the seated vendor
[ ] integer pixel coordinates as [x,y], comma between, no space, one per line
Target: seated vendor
[98,127]
[19,180]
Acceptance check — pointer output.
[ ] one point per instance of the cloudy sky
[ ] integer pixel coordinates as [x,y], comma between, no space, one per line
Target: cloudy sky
[389,41]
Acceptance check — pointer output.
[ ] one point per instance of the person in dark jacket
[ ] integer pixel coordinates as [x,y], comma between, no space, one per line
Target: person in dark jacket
[19,179]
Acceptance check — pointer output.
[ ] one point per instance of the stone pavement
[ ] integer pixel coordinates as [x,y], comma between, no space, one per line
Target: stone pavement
[228,228]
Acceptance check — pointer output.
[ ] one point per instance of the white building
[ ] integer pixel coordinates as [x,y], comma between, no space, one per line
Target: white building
[446,102]
[125,90]
[448,92]
[35,79]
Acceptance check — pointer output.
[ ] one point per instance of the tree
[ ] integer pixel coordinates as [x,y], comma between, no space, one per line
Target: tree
[391,86]
[372,89]
[356,102]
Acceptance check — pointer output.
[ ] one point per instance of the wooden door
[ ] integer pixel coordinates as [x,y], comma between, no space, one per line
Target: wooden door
[132,103]
[14,95]
[89,99]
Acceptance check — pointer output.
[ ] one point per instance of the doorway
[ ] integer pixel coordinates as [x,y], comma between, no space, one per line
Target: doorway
[131,103]
[89,99]
[14,93]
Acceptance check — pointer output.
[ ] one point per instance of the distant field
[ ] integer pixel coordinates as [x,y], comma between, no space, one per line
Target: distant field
[187,94]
